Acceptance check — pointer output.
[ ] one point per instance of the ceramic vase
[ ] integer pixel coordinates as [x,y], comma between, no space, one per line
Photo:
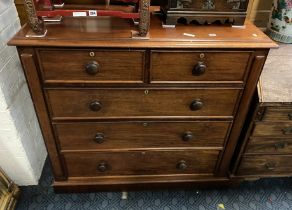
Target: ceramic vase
[280,24]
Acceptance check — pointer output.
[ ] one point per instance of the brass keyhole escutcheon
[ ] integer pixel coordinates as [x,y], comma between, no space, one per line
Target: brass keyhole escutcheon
[202,55]
[146,92]
[91,54]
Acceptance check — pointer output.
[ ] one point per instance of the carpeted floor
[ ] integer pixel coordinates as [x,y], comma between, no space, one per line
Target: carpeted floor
[261,195]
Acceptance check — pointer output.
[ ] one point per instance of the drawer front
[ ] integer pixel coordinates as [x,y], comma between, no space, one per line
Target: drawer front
[195,66]
[100,103]
[275,114]
[99,136]
[272,129]
[269,145]
[77,66]
[141,163]
[265,165]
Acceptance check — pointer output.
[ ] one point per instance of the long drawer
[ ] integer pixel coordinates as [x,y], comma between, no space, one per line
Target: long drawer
[190,67]
[269,145]
[265,165]
[129,103]
[135,135]
[277,114]
[141,163]
[273,129]
[92,66]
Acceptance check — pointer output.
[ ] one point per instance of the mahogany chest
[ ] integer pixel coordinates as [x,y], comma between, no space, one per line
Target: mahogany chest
[121,113]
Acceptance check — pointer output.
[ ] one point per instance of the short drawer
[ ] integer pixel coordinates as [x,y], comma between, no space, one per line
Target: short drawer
[192,67]
[272,129]
[129,103]
[278,114]
[78,66]
[269,145]
[265,165]
[140,135]
[141,163]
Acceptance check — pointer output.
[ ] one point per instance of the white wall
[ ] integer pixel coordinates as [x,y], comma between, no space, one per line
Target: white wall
[22,150]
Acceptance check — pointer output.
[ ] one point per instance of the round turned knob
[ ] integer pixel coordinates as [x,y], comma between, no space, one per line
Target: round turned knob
[102,167]
[199,69]
[196,105]
[270,166]
[95,106]
[92,67]
[281,145]
[287,130]
[182,165]
[99,138]
[188,136]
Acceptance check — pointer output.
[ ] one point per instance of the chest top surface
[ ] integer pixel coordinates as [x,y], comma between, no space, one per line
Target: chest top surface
[114,32]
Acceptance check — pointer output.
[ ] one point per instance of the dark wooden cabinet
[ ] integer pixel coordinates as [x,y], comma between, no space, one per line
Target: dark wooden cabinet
[122,113]
[265,146]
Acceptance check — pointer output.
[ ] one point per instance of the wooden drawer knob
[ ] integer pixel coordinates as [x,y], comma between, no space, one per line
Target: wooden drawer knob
[270,166]
[92,67]
[99,138]
[199,69]
[196,105]
[287,131]
[280,145]
[95,106]
[182,165]
[188,136]
[103,167]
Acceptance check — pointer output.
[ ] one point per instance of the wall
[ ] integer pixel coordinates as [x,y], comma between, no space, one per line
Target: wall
[259,12]
[22,150]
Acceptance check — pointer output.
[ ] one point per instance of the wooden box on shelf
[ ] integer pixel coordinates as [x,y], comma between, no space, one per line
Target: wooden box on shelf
[202,11]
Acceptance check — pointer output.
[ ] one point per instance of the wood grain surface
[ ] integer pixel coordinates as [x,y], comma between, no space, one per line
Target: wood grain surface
[116,33]
[266,165]
[141,135]
[114,66]
[131,103]
[167,66]
[141,163]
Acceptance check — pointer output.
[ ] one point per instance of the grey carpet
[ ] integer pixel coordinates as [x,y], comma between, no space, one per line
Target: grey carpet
[264,194]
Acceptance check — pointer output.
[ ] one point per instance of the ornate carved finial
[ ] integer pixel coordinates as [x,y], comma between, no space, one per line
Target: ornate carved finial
[144,22]
[36,24]
[208,5]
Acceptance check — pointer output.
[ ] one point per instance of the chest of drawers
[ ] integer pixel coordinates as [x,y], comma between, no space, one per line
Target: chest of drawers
[118,113]
[266,149]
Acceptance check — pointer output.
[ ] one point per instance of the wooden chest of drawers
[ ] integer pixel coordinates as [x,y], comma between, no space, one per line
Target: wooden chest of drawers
[118,113]
[266,147]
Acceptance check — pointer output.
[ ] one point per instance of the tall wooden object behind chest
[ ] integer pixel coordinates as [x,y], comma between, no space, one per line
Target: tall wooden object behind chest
[118,113]
[202,11]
